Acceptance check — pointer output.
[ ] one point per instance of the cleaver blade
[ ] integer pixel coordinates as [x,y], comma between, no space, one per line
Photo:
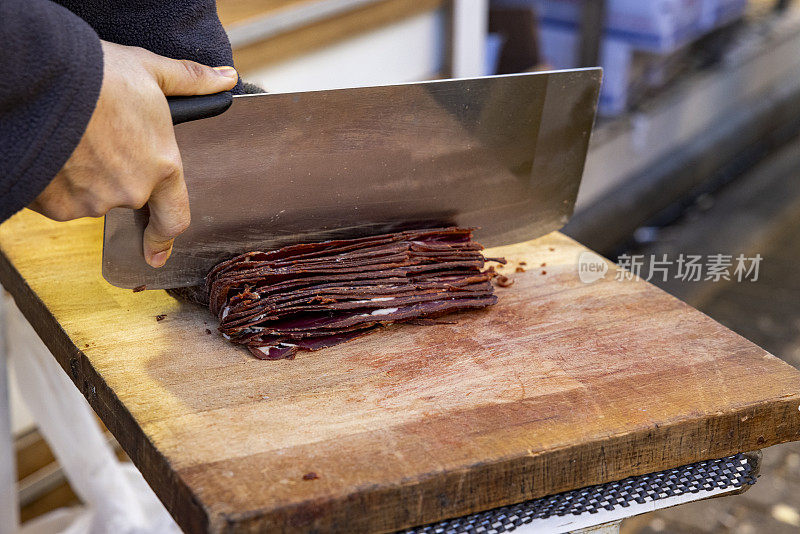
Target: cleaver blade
[504,154]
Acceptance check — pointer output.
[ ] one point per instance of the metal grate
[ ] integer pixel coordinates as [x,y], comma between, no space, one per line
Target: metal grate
[729,472]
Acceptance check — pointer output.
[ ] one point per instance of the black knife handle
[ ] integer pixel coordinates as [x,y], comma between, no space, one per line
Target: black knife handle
[190,108]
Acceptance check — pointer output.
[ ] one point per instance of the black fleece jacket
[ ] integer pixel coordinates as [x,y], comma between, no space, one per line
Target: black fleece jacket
[52,70]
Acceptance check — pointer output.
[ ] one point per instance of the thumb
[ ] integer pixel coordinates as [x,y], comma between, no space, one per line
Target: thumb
[181,77]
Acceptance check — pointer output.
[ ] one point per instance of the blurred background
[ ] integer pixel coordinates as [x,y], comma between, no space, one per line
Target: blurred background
[695,151]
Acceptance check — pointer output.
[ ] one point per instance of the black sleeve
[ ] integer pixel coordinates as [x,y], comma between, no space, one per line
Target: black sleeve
[52,69]
[178,29]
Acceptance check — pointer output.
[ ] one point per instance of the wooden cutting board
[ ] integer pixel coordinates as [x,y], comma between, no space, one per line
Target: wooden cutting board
[560,385]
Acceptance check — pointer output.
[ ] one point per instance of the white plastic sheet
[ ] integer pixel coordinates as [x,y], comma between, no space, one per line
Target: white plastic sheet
[116,498]
[8,498]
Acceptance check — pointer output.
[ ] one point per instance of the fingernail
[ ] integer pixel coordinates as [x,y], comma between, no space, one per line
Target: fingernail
[159,258]
[228,72]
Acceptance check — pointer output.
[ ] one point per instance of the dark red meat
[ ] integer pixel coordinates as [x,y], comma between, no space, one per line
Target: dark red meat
[317,295]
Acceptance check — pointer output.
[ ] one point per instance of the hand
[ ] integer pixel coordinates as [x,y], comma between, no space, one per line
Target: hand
[127,156]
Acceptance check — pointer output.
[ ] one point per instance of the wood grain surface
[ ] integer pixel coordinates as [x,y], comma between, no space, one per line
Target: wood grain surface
[560,385]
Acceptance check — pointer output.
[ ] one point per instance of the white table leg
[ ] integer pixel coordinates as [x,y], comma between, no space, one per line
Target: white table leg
[9,512]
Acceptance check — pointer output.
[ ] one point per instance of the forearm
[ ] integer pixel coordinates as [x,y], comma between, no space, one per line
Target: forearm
[52,67]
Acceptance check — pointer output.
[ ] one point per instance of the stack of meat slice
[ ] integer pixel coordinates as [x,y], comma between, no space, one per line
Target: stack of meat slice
[316,295]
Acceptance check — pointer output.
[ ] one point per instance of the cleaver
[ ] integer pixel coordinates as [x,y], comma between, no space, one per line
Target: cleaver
[504,154]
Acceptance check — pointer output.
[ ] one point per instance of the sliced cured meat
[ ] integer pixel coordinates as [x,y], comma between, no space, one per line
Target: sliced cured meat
[316,295]
[279,351]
